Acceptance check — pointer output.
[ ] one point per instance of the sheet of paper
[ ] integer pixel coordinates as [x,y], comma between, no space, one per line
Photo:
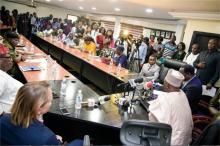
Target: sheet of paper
[37,60]
[211,92]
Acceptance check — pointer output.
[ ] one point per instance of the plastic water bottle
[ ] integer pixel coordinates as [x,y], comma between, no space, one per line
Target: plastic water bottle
[118,69]
[78,101]
[110,65]
[63,88]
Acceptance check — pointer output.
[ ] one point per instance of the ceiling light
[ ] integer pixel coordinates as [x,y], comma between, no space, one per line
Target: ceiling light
[48,0]
[117,9]
[60,0]
[148,10]
[93,8]
[81,8]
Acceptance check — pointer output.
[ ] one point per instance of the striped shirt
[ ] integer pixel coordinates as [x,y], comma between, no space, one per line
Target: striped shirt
[169,49]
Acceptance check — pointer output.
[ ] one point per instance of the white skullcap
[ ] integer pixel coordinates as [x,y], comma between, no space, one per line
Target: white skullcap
[174,78]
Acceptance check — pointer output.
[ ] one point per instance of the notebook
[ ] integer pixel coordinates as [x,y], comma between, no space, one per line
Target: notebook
[30,68]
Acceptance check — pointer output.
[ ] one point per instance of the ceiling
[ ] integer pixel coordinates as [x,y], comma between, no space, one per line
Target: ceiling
[137,8]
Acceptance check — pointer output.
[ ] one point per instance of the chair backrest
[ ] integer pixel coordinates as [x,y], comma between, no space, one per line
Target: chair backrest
[174,64]
[162,74]
[138,132]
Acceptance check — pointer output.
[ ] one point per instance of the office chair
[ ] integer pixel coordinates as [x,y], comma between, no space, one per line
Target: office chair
[138,132]
[199,122]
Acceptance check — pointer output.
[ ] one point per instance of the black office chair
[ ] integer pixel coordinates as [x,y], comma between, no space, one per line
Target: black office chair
[174,64]
[145,133]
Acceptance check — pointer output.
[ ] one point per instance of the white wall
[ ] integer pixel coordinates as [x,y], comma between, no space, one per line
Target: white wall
[41,10]
[199,25]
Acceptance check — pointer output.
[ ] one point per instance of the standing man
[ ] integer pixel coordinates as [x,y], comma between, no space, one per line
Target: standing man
[170,47]
[191,56]
[138,56]
[208,64]
[172,107]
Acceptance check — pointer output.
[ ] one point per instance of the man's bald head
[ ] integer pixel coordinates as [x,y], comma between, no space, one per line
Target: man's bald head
[212,44]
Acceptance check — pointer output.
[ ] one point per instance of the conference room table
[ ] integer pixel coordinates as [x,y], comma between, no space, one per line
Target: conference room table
[49,68]
[90,67]
[102,123]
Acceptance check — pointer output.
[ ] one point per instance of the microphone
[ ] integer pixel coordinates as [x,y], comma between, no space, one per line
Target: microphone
[102,99]
[133,82]
[99,101]
[148,85]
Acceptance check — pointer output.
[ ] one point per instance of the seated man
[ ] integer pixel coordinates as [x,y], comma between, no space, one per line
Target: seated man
[192,87]
[8,85]
[120,57]
[150,70]
[172,107]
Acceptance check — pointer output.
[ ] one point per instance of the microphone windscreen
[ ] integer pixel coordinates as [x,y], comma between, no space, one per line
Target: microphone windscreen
[148,85]
[139,80]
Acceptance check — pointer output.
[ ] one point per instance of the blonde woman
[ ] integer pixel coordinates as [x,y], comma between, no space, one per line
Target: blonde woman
[24,126]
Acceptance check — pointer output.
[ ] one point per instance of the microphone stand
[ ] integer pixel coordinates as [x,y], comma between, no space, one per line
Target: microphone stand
[132,100]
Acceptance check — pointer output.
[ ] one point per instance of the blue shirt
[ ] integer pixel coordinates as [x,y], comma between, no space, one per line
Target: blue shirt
[142,51]
[36,134]
[121,60]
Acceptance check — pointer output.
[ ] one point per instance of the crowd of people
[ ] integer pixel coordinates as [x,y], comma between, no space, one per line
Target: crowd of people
[175,105]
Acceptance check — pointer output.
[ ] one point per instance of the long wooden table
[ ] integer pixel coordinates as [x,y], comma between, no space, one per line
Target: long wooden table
[40,59]
[102,75]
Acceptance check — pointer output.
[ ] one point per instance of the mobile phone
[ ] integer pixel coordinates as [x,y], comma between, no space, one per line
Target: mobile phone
[64,111]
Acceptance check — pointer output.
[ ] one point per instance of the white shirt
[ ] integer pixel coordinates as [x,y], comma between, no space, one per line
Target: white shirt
[48,32]
[149,72]
[190,59]
[8,90]
[94,34]
[173,108]
[33,20]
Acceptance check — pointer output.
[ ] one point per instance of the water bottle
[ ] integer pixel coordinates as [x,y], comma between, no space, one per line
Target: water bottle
[54,70]
[111,62]
[110,65]
[78,101]
[63,88]
[118,69]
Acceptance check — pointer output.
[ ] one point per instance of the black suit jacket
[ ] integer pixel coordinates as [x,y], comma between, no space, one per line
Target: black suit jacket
[193,91]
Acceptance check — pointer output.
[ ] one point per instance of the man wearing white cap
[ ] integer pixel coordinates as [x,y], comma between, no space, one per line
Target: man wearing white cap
[172,107]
